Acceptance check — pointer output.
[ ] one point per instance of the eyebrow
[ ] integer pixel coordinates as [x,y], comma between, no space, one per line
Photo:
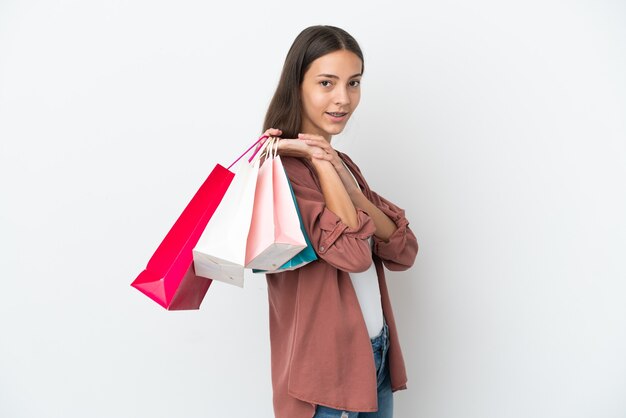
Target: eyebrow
[334,76]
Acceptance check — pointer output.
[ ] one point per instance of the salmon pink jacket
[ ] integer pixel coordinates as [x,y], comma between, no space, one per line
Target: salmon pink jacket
[321,352]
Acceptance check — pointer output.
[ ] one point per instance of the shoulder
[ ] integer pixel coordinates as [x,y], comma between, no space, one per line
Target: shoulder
[300,171]
[295,165]
[346,158]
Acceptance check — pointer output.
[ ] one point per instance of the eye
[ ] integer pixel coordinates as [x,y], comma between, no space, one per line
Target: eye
[325,81]
[355,83]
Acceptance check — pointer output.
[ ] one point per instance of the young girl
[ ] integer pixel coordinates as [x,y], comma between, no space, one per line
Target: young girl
[335,350]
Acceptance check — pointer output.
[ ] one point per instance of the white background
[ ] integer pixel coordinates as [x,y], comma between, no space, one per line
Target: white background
[499,128]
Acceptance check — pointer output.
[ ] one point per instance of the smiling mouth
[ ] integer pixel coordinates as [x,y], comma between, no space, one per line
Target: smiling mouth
[337,114]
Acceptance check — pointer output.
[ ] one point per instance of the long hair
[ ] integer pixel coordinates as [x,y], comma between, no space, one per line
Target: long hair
[285,109]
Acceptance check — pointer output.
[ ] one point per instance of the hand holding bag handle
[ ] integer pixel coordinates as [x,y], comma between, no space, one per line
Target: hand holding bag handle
[169,277]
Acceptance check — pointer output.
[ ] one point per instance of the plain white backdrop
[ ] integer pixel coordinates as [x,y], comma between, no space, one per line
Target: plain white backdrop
[498,126]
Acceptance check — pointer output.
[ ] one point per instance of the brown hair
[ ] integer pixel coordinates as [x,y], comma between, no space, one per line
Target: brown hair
[285,109]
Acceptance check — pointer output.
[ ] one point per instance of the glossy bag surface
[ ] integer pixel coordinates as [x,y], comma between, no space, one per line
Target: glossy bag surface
[169,277]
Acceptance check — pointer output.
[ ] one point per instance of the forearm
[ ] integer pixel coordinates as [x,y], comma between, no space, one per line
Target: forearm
[335,194]
[384,226]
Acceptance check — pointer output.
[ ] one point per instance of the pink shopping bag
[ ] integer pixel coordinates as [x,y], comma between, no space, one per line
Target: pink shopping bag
[169,277]
[275,235]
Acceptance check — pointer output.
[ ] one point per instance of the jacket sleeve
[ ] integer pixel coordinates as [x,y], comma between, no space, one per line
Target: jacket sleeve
[399,252]
[344,248]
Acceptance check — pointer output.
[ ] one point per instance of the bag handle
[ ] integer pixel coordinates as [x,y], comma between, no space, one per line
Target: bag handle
[263,150]
[275,144]
[262,138]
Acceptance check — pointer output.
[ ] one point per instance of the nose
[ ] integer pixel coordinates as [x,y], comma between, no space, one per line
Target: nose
[342,97]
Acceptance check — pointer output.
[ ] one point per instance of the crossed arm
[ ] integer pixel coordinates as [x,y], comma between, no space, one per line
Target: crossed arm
[341,193]
[343,196]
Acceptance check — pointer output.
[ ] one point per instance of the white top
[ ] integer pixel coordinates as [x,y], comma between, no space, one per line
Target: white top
[368,293]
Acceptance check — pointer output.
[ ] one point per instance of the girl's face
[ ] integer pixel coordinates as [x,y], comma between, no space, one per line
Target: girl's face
[330,91]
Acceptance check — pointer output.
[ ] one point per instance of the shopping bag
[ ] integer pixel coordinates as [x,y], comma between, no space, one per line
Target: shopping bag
[169,277]
[221,250]
[305,256]
[275,235]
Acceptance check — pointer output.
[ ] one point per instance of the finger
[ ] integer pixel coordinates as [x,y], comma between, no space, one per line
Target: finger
[310,136]
[273,132]
[313,137]
[322,143]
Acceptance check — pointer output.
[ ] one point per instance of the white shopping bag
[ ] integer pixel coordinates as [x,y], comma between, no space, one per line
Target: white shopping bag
[221,250]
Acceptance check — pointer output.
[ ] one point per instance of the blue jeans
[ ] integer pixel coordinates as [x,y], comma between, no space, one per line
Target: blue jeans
[380,346]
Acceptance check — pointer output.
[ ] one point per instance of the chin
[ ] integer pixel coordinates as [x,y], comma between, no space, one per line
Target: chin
[335,130]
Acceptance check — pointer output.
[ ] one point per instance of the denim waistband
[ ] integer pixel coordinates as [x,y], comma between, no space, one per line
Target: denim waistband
[381,339]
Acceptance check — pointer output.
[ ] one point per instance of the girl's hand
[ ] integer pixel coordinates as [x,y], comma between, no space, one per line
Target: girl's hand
[319,142]
[273,132]
[299,148]
[328,153]
[316,148]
